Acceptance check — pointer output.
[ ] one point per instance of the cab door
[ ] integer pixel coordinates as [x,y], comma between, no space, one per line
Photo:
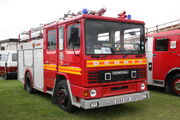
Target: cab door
[50,57]
[70,57]
[174,51]
[161,60]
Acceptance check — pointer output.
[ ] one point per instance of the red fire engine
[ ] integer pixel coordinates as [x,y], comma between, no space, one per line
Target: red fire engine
[85,60]
[163,57]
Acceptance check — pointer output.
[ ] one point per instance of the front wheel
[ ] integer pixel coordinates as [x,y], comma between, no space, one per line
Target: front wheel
[175,85]
[62,97]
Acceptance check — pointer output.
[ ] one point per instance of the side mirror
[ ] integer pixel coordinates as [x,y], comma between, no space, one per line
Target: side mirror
[74,35]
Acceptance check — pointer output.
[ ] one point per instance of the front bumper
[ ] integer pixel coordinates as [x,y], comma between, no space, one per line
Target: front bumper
[114,100]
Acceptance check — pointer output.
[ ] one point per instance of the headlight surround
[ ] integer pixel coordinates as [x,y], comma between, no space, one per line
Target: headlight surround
[143,86]
[93,93]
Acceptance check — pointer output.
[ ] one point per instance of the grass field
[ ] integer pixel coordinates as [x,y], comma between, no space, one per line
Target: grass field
[16,104]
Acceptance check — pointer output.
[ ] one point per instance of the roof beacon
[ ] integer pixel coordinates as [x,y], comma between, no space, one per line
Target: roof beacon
[122,15]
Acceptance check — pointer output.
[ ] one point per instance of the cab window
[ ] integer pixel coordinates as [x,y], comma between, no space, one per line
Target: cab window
[61,38]
[14,57]
[162,44]
[70,43]
[51,39]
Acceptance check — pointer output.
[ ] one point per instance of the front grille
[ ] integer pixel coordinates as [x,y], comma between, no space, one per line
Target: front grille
[98,76]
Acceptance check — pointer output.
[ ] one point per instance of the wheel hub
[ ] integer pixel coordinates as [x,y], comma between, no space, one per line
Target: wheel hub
[177,85]
[62,97]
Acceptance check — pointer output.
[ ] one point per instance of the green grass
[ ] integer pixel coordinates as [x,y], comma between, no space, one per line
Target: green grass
[16,104]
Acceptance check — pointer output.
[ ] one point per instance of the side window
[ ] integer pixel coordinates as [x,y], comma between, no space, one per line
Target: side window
[2,48]
[73,44]
[51,39]
[14,57]
[162,44]
[61,38]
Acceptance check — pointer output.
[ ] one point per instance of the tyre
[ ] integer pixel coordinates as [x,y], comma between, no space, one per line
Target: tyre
[175,84]
[28,84]
[6,77]
[62,97]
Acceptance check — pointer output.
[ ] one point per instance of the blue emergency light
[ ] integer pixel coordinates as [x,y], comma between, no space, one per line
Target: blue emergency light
[129,17]
[85,11]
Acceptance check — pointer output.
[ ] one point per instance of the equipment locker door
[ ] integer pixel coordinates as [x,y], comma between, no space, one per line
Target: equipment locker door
[50,58]
[160,59]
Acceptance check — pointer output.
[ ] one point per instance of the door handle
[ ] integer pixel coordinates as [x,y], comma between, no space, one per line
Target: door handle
[46,62]
[65,64]
[150,66]
[154,55]
[172,52]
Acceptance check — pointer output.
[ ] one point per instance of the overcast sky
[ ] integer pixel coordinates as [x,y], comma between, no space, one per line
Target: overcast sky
[20,15]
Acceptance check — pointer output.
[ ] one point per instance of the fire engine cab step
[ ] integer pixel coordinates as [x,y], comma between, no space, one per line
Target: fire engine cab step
[50,92]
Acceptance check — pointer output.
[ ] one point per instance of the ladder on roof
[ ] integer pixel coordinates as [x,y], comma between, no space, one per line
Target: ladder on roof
[37,32]
[174,25]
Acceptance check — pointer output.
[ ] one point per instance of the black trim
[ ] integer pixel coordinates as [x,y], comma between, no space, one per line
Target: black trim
[98,76]
[9,40]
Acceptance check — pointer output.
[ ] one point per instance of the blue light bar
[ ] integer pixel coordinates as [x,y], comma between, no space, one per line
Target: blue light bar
[129,17]
[85,11]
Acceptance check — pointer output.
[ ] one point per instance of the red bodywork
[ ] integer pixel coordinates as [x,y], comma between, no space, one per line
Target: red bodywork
[5,70]
[84,76]
[164,62]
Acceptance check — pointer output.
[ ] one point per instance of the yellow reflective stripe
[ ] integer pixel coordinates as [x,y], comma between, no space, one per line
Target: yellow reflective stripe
[49,65]
[72,72]
[48,68]
[70,68]
[116,65]
[103,63]
[90,61]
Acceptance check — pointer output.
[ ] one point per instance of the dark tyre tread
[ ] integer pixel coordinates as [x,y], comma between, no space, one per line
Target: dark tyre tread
[28,85]
[172,87]
[62,97]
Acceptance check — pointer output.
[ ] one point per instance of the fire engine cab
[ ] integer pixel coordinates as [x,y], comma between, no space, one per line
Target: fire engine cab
[163,53]
[85,60]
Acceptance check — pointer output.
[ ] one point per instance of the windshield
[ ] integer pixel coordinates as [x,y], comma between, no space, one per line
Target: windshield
[105,37]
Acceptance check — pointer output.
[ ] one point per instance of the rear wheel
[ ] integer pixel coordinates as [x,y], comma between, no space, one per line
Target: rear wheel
[28,85]
[6,77]
[175,84]
[62,97]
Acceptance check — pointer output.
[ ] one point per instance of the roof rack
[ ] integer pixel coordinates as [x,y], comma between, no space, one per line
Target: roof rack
[66,16]
[174,25]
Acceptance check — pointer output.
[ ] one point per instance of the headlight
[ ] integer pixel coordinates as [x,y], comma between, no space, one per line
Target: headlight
[143,86]
[93,93]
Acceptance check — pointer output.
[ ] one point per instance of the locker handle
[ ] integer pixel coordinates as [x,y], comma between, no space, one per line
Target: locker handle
[150,66]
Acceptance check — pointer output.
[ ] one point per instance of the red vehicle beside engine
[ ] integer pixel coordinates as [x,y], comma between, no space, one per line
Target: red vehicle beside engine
[163,55]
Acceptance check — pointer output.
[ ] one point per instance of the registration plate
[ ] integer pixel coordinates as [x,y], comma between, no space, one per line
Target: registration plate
[122,100]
